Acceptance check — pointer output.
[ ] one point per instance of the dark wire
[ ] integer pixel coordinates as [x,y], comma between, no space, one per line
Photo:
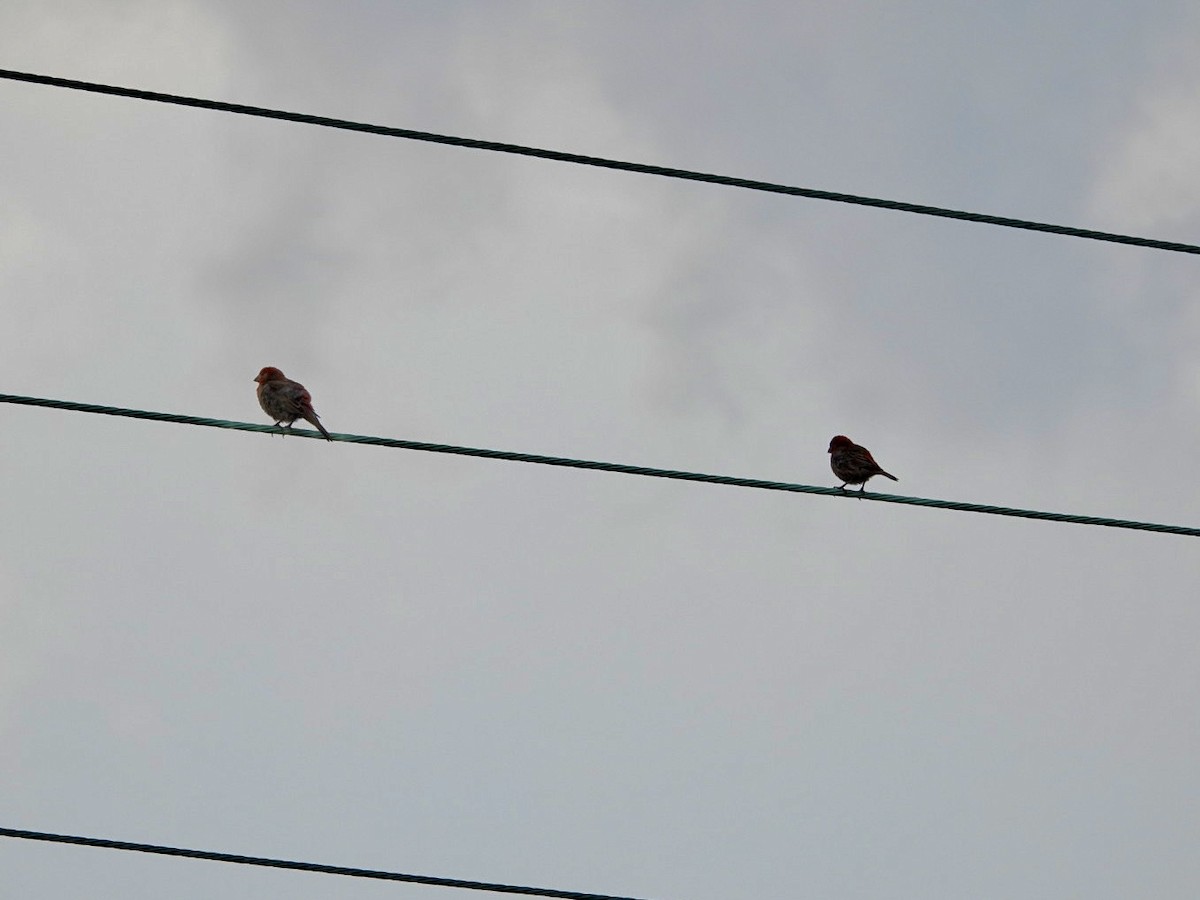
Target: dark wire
[599,161]
[622,468]
[304,866]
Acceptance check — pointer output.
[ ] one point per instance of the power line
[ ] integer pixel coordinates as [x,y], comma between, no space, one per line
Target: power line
[621,468]
[304,866]
[601,162]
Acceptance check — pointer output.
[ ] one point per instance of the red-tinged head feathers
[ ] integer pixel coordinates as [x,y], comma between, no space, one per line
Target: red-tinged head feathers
[270,373]
[840,442]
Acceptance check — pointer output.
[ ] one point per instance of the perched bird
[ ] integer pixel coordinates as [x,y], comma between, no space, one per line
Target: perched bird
[285,400]
[853,464]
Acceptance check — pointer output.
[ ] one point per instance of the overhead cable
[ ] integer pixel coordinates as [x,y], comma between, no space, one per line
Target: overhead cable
[601,162]
[304,866]
[621,468]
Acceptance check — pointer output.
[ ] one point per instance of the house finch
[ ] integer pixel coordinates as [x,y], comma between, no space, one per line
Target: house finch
[853,464]
[285,400]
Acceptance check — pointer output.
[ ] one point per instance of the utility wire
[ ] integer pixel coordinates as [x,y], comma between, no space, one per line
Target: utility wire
[304,866]
[598,161]
[603,466]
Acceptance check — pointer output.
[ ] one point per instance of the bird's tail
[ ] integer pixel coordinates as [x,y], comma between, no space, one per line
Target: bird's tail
[313,420]
[881,472]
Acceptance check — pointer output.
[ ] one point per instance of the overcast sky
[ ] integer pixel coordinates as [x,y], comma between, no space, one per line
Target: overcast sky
[580,680]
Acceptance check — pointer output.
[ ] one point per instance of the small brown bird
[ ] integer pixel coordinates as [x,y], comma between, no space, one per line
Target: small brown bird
[853,464]
[285,400]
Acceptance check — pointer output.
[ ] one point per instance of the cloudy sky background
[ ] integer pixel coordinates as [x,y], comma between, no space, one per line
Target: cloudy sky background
[581,680]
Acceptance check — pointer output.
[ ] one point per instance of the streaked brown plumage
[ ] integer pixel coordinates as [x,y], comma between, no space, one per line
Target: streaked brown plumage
[285,400]
[853,464]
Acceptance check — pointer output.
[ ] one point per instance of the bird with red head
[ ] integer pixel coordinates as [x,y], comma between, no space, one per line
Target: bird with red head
[285,400]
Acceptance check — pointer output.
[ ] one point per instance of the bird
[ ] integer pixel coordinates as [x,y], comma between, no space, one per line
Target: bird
[853,464]
[285,400]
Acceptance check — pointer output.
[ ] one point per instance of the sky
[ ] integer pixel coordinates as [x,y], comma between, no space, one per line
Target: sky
[582,680]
